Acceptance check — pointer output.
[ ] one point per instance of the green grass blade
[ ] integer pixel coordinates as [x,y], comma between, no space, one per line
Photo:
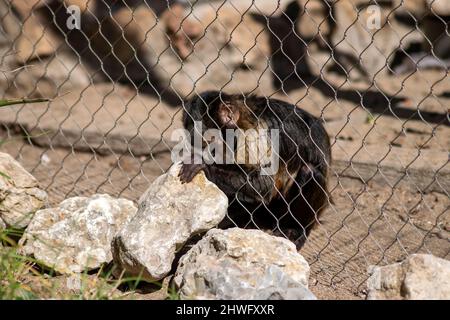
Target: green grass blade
[6,102]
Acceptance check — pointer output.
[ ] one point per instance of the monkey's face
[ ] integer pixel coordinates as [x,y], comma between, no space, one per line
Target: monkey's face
[228,116]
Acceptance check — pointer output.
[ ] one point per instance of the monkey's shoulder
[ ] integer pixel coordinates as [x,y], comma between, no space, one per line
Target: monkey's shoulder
[281,108]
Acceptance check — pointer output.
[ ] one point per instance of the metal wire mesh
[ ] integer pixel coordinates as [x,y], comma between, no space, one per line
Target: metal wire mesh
[375,72]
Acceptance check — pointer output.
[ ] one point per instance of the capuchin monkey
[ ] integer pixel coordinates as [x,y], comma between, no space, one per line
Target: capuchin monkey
[288,201]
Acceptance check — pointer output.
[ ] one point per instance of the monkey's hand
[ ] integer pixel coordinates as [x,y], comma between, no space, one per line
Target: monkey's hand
[189,171]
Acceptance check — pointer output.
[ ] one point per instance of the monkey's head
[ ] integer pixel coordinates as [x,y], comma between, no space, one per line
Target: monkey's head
[214,109]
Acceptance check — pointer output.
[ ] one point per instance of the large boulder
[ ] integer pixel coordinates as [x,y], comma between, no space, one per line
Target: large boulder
[419,277]
[76,235]
[232,53]
[242,264]
[421,8]
[36,60]
[169,214]
[21,23]
[365,40]
[20,195]
[439,7]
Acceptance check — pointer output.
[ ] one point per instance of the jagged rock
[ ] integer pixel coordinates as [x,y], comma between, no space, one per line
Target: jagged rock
[76,235]
[243,56]
[419,277]
[365,41]
[36,62]
[242,264]
[20,195]
[420,8]
[30,30]
[439,7]
[169,214]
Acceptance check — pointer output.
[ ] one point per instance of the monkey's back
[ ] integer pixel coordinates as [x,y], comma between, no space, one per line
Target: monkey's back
[301,134]
[305,149]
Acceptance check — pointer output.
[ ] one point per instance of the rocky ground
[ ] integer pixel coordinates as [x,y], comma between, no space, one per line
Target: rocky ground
[367,224]
[125,245]
[389,132]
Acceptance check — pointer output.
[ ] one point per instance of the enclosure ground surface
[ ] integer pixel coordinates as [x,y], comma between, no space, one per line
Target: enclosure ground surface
[369,223]
[390,132]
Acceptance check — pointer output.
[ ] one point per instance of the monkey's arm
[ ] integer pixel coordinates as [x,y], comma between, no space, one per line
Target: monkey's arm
[189,170]
[246,185]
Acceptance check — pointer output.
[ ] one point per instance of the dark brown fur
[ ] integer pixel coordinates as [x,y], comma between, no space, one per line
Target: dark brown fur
[289,202]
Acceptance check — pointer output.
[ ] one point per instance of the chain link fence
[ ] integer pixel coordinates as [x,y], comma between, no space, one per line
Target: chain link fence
[118,73]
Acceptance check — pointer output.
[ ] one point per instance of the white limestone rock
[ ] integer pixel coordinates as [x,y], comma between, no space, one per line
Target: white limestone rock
[169,214]
[20,195]
[242,264]
[76,236]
